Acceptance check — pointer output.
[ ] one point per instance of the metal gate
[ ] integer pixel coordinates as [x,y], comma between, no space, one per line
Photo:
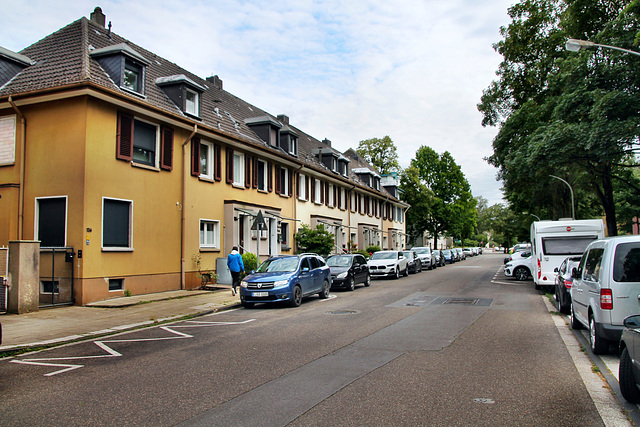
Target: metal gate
[56,276]
[4,267]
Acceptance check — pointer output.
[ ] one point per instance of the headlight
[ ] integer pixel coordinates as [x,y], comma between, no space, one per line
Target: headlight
[244,284]
[342,275]
[279,283]
[391,266]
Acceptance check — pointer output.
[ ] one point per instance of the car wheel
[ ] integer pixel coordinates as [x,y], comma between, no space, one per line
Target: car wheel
[247,304]
[558,302]
[406,271]
[598,344]
[521,273]
[397,273]
[367,281]
[628,385]
[351,284]
[573,322]
[326,287]
[296,297]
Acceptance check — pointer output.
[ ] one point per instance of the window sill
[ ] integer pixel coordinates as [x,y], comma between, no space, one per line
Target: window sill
[238,186]
[133,92]
[286,196]
[117,249]
[209,249]
[143,166]
[206,179]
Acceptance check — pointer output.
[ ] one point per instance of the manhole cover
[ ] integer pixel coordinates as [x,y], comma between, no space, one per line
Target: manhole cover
[342,312]
[463,301]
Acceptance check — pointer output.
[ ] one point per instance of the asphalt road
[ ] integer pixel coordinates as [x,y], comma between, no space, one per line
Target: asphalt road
[443,347]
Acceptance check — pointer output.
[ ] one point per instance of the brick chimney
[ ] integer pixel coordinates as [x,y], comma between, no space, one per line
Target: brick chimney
[327,142]
[217,83]
[283,118]
[98,17]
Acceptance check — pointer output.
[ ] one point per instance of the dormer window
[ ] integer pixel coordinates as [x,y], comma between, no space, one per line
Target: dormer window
[334,164]
[183,91]
[12,63]
[125,66]
[266,128]
[192,102]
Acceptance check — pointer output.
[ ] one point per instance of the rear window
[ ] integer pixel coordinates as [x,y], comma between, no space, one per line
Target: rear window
[566,245]
[626,267]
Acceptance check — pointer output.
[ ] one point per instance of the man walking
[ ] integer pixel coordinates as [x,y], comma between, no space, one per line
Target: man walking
[235,264]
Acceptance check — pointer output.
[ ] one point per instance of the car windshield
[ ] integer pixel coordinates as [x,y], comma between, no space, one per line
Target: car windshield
[446,252]
[278,264]
[339,261]
[407,254]
[384,255]
[422,251]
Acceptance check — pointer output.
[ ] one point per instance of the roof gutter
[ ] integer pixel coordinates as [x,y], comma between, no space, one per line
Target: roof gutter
[183,224]
[23,143]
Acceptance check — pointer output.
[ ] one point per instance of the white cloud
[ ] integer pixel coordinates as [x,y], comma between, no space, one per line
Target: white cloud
[345,70]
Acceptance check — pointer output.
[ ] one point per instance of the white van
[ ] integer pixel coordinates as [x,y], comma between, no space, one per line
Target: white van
[553,241]
[606,289]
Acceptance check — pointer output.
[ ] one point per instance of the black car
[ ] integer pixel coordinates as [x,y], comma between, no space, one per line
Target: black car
[628,371]
[564,281]
[347,270]
[414,264]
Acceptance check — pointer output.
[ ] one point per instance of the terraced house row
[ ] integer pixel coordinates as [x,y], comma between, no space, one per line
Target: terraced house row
[135,165]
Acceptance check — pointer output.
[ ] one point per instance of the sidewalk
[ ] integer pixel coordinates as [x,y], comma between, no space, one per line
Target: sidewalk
[70,323]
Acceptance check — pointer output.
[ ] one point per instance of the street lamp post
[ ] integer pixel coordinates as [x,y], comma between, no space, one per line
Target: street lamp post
[575,45]
[535,216]
[573,209]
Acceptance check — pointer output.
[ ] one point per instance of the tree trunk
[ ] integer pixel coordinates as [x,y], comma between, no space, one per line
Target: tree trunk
[609,205]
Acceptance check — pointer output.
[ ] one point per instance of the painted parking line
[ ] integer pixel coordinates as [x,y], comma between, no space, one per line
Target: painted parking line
[110,352]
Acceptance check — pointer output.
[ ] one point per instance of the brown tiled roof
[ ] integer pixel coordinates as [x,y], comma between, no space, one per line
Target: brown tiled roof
[63,59]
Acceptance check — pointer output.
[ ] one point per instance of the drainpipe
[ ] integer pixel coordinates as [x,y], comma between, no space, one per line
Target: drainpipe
[23,143]
[183,226]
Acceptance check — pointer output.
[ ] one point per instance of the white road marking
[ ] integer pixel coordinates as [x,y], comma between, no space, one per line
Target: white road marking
[113,353]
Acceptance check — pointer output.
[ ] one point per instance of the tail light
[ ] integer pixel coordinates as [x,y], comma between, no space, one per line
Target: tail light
[539,269]
[606,299]
[568,283]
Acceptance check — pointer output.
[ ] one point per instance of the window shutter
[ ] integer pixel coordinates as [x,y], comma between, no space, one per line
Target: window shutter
[255,172]
[335,195]
[290,183]
[229,165]
[308,182]
[217,154]
[166,150]
[124,138]
[247,171]
[195,156]
[322,199]
[278,180]
[269,178]
[312,182]
[297,184]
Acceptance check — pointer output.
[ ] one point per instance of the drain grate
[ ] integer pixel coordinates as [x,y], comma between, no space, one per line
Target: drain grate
[342,312]
[462,301]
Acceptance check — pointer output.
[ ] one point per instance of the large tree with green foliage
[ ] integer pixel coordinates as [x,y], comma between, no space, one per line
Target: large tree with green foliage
[439,195]
[317,240]
[573,115]
[381,153]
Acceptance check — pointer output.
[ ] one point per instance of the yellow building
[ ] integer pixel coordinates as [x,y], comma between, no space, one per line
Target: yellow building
[137,169]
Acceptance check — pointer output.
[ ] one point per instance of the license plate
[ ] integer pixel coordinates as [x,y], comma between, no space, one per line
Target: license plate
[260,294]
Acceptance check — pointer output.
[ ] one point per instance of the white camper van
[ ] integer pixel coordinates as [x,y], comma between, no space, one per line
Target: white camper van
[553,241]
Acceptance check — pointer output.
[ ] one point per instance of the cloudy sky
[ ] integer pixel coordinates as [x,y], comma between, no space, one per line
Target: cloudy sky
[345,70]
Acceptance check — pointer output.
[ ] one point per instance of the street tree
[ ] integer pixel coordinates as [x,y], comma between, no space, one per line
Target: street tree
[381,153]
[436,184]
[576,116]
[316,240]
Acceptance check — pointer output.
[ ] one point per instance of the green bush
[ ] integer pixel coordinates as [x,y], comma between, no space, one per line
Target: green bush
[316,240]
[372,249]
[250,261]
[363,253]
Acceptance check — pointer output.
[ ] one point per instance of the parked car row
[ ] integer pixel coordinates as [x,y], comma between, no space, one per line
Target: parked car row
[600,291]
[289,278]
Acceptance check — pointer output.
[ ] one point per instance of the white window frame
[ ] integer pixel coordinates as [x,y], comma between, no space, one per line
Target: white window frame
[284,182]
[128,248]
[334,164]
[215,224]
[330,202]
[8,140]
[293,145]
[238,169]
[195,110]
[265,176]
[210,160]
[156,160]
[318,188]
[302,185]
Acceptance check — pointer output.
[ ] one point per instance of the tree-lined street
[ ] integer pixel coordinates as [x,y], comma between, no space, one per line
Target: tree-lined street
[457,346]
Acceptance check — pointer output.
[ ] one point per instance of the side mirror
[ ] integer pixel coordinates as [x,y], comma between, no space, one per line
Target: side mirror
[252,271]
[555,270]
[632,322]
[574,272]
[305,269]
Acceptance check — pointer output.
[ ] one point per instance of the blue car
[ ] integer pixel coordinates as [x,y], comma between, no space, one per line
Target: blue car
[286,279]
[448,256]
